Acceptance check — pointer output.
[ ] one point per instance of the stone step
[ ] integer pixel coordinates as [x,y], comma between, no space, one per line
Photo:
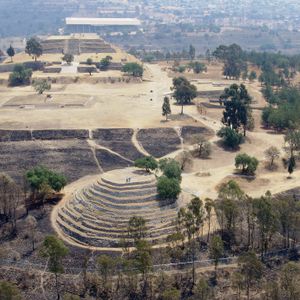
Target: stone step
[118,199]
[91,238]
[148,202]
[125,210]
[124,193]
[112,221]
[136,184]
[118,233]
[114,225]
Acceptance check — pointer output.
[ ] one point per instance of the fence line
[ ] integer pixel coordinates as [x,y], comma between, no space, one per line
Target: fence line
[169,266]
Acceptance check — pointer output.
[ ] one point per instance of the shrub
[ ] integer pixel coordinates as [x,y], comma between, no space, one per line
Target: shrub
[20,76]
[89,61]
[247,163]
[202,147]
[104,63]
[41,85]
[68,58]
[168,188]
[170,168]
[230,137]
[148,163]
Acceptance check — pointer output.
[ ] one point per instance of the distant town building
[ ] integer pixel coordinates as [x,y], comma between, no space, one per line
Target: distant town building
[98,25]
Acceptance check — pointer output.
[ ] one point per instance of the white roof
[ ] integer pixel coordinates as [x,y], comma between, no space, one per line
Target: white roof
[104,21]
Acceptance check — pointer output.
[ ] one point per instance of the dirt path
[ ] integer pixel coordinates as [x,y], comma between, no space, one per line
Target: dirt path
[137,144]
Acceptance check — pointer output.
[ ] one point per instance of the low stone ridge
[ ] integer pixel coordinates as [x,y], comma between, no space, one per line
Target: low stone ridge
[60,134]
[110,161]
[73,158]
[98,214]
[15,135]
[159,142]
[188,132]
[118,140]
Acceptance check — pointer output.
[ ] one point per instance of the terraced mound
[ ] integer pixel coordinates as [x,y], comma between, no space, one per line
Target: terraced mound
[98,214]
[76,46]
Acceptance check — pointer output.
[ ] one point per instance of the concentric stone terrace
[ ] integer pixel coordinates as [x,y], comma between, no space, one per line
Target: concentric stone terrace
[98,214]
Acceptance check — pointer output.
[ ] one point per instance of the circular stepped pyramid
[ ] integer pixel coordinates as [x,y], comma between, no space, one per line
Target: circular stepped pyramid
[98,214]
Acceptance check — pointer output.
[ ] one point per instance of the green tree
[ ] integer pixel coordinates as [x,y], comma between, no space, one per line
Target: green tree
[168,188]
[216,250]
[209,205]
[252,76]
[272,153]
[289,278]
[250,269]
[68,58]
[41,85]
[184,91]
[166,108]
[137,228]
[247,163]
[105,62]
[143,257]
[9,291]
[198,67]
[237,111]
[192,52]
[106,268]
[42,181]
[170,168]
[89,61]
[20,76]
[266,220]
[171,294]
[11,52]
[202,290]
[148,163]
[133,69]
[34,48]
[227,207]
[54,250]
[202,146]
[230,137]
[291,164]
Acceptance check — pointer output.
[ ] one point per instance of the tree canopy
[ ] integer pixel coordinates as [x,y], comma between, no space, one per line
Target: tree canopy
[184,91]
[133,69]
[34,48]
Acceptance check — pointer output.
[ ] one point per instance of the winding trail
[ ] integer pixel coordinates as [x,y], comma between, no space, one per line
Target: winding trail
[94,145]
[137,144]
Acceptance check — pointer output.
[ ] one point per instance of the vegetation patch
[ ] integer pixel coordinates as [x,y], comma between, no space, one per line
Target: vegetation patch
[159,142]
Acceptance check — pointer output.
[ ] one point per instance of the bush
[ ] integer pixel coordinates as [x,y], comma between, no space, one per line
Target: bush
[148,163]
[68,58]
[133,69]
[247,163]
[230,137]
[168,188]
[104,63]
[202,147]
[170,168]
[20,76]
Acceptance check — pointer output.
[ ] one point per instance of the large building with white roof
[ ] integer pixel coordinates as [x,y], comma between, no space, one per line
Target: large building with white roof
[87,25]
